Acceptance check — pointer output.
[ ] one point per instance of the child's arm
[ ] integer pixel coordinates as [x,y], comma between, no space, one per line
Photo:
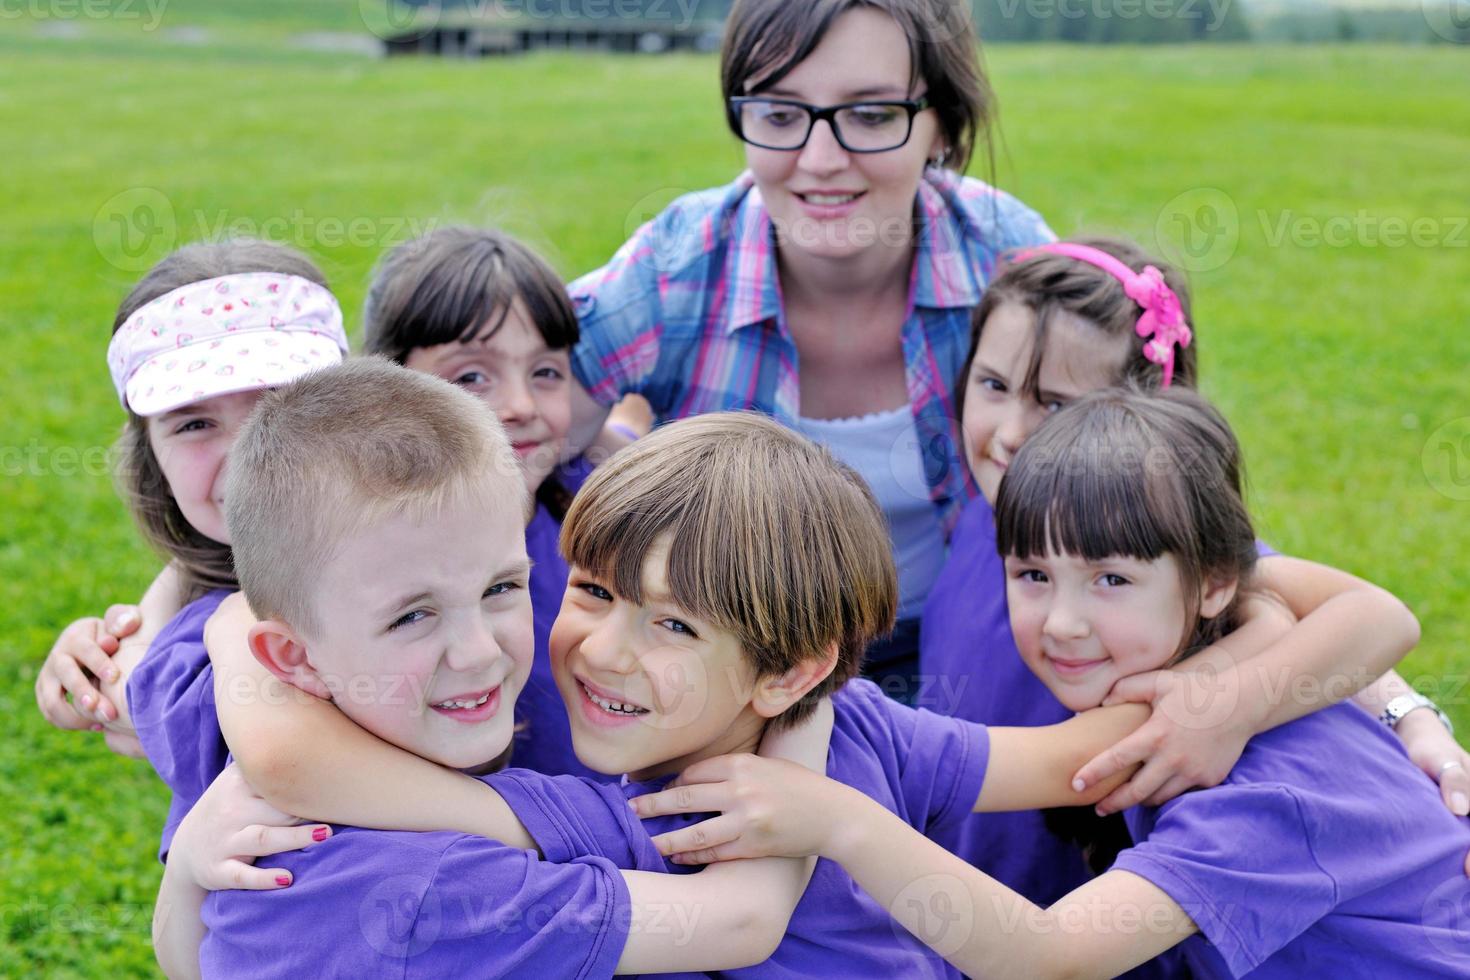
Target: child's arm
[737,913]
[1428,741]
[92,658]
[215,847]
[974,922]
[305,757]
[1026,769]
[1349,632]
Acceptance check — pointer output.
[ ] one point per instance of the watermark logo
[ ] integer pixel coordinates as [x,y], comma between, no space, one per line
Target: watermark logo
[134,229]
[397,20]
[938,910]
[400,916]
[1448,19]
[667,237]
[1199,229]
[1446,459]
[1446,918]
[1214,11]
[150,12]
[1363,229]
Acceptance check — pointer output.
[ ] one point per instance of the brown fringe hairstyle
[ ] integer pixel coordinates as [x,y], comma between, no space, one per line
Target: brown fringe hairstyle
[766,39]
[1139,473]
[770,538]
[458,283]
[1049,285]
[202,562]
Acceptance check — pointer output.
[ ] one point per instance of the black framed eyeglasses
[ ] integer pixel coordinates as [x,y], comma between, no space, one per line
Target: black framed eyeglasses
[860,127]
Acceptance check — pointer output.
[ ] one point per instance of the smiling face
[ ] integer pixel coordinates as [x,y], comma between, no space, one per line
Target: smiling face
[1000,414]
[192,445]
[825,201]
[525,382]
[1081,626]
[649,688]
[424,632]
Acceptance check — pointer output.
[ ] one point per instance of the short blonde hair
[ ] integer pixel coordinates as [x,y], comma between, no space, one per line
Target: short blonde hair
[770,538]
[344,448]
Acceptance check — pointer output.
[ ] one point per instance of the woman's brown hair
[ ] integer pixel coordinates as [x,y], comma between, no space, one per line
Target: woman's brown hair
[766,39]
[202,562]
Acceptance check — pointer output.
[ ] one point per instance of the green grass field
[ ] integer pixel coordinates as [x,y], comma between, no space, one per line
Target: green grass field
[1342,363]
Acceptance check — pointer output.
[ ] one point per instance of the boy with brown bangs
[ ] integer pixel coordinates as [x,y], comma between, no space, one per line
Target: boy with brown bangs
[726,573]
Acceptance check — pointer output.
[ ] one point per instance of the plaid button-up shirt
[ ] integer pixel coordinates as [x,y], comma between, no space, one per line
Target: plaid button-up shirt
[688,313]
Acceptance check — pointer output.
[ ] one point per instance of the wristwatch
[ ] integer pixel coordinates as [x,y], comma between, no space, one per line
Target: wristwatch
[1404,703]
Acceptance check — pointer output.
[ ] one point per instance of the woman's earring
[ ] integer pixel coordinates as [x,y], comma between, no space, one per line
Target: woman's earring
[938,159]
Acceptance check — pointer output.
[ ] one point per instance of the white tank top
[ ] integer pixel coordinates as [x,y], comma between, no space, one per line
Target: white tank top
[884,448]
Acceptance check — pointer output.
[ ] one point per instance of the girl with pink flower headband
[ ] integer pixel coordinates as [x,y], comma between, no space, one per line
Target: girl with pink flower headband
[1059,321]
[194,344]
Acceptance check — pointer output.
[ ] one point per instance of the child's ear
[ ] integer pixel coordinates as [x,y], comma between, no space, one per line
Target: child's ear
[1215,596]
[774,694]
[281,651]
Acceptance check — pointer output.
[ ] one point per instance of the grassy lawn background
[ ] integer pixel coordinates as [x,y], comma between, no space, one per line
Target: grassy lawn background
[1339,365]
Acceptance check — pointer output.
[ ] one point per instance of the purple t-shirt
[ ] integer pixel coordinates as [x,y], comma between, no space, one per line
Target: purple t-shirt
[927,769]
[1325,852]
[970,668]
[393,903]
[171,700]
[544,742]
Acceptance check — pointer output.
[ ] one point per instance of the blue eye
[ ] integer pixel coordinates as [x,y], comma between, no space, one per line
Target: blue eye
[992,385]
[407,619]
[1031,575]
[471,379]
[595,591]
[500,588]
[676,626]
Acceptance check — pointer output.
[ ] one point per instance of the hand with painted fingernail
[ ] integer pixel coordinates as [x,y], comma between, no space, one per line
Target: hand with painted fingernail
[228,829]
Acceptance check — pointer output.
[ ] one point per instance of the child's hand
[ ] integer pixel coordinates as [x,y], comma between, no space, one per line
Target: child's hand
[768,807]
[1433,749]
[1194,737]
[82,653]
[218,842]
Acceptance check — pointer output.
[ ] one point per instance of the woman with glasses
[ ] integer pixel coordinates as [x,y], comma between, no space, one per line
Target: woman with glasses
[831,284]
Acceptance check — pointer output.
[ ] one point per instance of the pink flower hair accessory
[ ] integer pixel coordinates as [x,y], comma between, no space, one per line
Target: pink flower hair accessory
[1163,316]
[233,333]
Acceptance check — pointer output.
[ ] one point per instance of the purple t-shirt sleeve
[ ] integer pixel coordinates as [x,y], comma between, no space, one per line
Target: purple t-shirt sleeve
[941,760]
[1239,860]
[572,816]
[171,700]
